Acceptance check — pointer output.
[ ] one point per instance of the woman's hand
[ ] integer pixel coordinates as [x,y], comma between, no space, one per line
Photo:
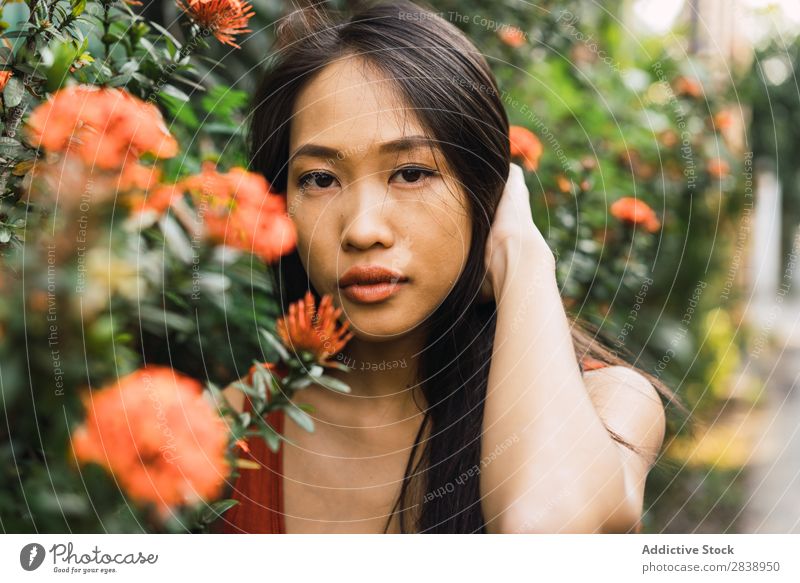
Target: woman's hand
[513,231]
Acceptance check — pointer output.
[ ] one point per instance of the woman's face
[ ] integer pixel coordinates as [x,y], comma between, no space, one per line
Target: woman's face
[364,188]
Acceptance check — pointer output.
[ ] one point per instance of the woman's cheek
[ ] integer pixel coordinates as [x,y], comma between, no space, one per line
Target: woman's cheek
[442,267]
[313,250]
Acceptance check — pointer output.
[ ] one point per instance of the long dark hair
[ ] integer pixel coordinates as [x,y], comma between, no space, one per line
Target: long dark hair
[448,84]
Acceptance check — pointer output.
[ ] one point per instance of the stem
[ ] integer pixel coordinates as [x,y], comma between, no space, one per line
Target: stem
[13,116]
[106,26]
[167,72]
[66,22]
[33,4]
[191,43]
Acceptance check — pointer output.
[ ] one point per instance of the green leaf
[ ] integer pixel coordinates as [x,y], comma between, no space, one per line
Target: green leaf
[175,92]
[223,128]
[176,240]
[36,72]
[300,383]
[151,50]
[17,33]
[11,148]
[215,391]
[217,509]
[261,379]
[266,432]
[13,92]
[333,383]
[166,33]
[179,109]
[186,81]
[245,388]
[64,55]
[78,6]
[158,319]
[223,101]
[300,417]
[275,343]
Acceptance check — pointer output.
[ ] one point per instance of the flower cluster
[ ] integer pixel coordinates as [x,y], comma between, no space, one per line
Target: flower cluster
[634,211]
[106,127]
[159,437]
[4,77]
[525,145]
[224,18]
[306,328]
[512,36]
[239,211]
[95,137]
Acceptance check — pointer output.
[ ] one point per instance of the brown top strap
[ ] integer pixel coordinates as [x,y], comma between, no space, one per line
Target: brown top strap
[259,492]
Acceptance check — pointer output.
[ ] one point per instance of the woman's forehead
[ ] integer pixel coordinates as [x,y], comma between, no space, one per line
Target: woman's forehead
[348,104]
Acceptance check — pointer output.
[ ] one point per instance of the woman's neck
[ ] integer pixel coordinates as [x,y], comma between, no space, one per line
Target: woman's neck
[382,377]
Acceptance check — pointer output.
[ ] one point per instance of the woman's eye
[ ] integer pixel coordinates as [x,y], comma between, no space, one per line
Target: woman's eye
[315,180]
[412,175]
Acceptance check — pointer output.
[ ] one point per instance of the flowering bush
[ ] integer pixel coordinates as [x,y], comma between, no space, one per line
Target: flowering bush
[125,251]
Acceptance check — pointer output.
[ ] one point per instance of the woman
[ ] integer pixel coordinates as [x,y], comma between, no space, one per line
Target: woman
[469,411]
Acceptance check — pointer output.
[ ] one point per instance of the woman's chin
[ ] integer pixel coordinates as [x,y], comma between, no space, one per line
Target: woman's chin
[377,328]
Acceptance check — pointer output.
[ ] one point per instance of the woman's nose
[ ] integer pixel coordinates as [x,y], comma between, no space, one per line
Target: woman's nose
[368,213]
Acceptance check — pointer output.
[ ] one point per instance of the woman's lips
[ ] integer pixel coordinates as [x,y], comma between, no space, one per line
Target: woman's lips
[371,283]
[373,292]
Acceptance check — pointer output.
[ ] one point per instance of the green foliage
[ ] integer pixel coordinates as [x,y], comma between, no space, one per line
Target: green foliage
[93,291]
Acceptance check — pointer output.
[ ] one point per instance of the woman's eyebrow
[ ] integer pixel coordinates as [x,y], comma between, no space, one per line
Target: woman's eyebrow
[407,143]
[403,144]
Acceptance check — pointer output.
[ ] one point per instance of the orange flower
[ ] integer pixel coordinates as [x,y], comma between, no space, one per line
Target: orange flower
[316,331]
[155,201]
[224,18]
[4,77]
[688,86]
[723,120]
[564,184]
[718,168]
[210,186]
[94,138]
[240,211]
[668,138]
[636,212]
[512,36]
[65,180]
[159,437]
[590,363]
[525,145]
[105,127]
